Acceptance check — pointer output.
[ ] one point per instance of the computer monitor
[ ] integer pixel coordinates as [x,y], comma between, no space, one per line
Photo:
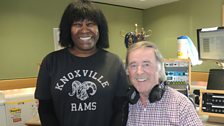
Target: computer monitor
[211,43]
[215,79]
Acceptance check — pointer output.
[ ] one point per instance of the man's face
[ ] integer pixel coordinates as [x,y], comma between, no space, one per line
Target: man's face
[143,69]
[85,35]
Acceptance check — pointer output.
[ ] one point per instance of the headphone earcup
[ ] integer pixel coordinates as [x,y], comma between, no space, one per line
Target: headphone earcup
[133,95]
[157,93]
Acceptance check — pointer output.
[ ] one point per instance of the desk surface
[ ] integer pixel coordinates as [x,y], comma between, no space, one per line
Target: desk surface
[33,122]
[207,120]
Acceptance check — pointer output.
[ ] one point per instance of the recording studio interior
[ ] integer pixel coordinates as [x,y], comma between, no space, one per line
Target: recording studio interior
[189,34]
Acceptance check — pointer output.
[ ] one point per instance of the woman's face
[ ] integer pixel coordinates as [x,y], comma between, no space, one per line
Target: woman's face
[85,35]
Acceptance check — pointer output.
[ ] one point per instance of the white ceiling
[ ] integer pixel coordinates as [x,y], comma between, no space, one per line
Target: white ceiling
[140,4]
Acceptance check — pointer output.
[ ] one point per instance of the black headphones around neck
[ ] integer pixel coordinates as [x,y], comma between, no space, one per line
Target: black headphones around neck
[155,95]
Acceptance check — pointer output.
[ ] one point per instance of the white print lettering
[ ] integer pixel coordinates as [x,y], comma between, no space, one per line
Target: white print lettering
[78,74]
[83,106]
[80,89]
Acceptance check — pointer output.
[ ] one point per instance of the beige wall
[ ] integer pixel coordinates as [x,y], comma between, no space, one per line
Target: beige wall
[26,32]
[182,18]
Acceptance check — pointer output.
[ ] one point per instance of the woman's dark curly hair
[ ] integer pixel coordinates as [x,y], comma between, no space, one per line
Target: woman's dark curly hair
[78,11]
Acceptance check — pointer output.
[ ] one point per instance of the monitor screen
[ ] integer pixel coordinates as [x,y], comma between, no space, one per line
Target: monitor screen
[211,43]
[216,79]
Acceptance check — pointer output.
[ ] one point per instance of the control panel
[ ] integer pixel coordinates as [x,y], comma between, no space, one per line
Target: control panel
[178,73]
[213,102]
